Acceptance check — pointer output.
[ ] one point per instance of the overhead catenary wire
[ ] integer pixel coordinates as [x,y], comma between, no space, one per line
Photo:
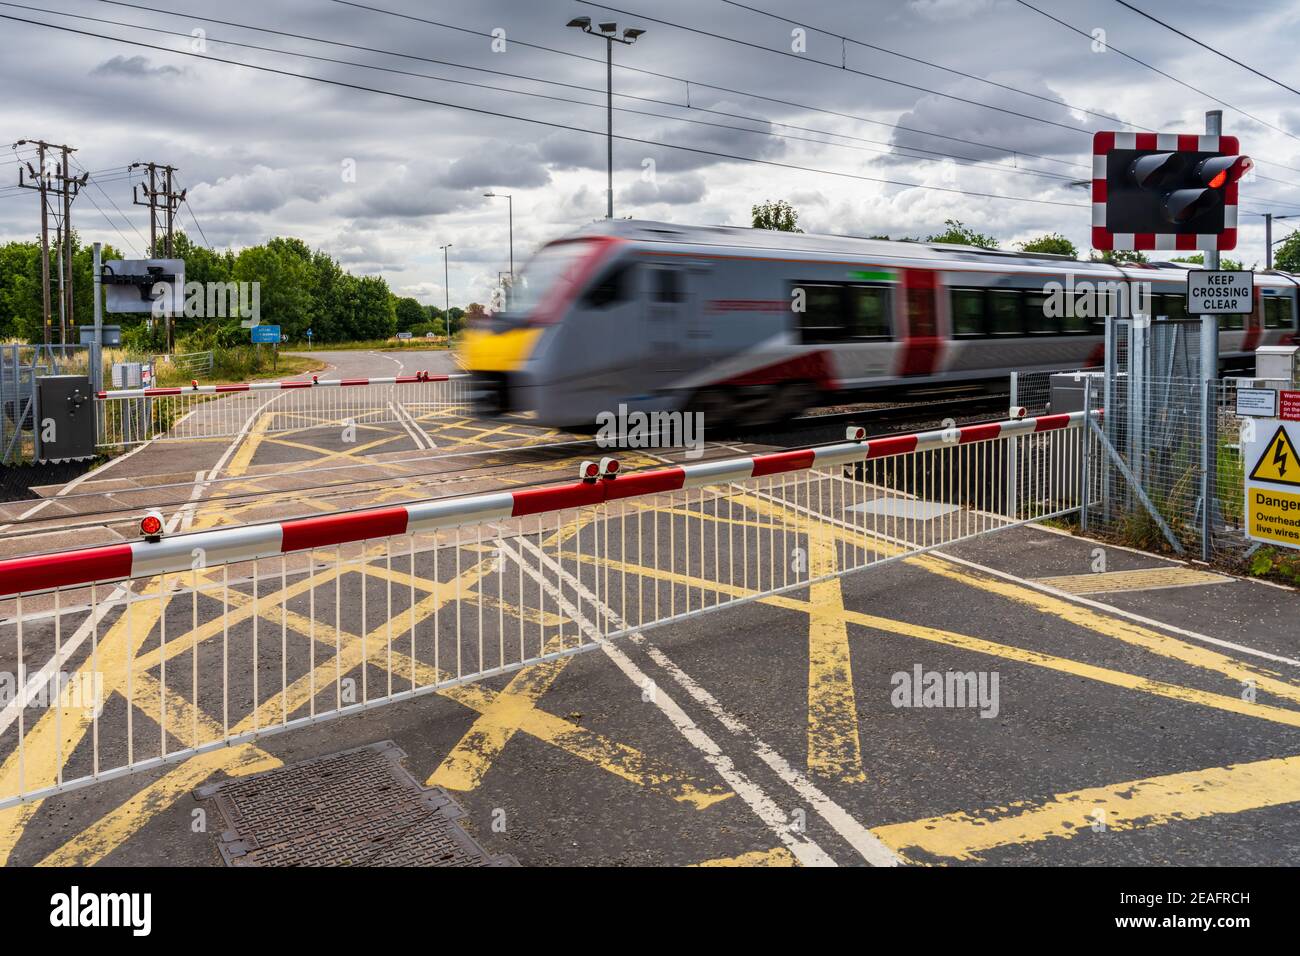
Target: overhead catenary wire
[717,154]
[1155,69]
[1000,149]
[1205,46]
[937,66]
[885,148]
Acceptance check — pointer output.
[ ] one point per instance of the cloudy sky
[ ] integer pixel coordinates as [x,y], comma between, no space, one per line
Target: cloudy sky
[1003,107]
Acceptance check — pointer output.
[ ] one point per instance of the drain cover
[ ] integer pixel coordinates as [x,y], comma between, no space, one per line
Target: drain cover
[355,808]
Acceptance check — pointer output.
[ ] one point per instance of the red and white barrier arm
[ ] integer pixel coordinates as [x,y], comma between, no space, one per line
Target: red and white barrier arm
[178,554]
[314,382]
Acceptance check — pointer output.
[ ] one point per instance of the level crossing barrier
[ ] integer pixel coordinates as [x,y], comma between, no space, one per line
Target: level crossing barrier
[131,416]
[127,657]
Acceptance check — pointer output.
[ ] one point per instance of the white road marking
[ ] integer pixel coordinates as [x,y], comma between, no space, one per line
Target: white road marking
[802,846]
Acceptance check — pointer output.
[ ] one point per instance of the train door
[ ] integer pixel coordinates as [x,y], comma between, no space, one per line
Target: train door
[678,338]
[922,339]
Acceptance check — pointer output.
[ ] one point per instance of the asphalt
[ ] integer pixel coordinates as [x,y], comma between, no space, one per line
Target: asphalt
[1146,711]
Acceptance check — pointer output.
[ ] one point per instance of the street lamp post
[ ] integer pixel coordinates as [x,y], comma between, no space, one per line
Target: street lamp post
[609,33]
[511,200]
[446,292]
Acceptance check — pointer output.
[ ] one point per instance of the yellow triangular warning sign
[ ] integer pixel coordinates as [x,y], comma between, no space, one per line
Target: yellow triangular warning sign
[1279,463]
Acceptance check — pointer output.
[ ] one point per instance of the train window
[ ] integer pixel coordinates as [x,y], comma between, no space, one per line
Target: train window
[613,287]
[1038,320]
[822,319]
[1080,320]
[668,285]
[869,312]
[1004,312]
[1277,312]
[1232,323]
[1170,306]
[967,313]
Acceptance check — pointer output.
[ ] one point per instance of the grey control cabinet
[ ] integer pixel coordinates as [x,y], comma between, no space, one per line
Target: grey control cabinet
[65,418]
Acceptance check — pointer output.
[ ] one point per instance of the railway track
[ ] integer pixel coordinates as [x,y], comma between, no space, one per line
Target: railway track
[454,472]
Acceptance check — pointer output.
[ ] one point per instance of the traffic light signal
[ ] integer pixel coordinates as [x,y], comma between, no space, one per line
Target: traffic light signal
[1165,191]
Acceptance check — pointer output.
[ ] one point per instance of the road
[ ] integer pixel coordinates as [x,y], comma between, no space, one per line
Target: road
[1124,709]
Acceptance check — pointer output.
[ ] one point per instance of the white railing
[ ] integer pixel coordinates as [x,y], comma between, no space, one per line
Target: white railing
[130,656]
[134,415]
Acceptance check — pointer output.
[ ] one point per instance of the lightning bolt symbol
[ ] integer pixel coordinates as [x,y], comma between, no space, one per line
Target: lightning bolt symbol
[1279,458]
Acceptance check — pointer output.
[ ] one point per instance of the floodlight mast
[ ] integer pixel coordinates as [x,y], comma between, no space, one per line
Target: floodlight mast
[609,33]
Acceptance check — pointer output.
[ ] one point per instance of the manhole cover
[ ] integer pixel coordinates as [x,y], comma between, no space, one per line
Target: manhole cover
[355,808]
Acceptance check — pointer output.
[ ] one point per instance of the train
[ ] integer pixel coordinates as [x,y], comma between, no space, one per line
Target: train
[751,326]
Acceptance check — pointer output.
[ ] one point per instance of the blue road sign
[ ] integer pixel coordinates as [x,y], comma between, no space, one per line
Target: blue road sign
[266,333]
[309,335]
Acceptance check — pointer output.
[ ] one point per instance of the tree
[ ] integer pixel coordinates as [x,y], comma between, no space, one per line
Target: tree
[1118,256]
[474,313]
[409,314]
[958,234]
[779,216]
[1287,257]
[1231,265]
[1051,243]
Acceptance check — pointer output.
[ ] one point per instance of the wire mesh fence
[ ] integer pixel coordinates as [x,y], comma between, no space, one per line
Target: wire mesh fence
[1168,473]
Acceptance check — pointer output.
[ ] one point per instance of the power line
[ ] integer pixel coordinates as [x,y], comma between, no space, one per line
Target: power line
[937,66]
[684,80]
[190,208]
[1168,76]
[888,147]
[94,180]
[832,66]
[535,79]
[1206,46]
[717,154]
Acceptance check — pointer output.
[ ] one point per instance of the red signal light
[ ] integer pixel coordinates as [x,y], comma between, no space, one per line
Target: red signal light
[151,526]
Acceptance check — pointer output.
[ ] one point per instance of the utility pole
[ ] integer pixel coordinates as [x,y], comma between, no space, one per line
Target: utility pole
[609,33]
[48,172]
[446,291]
[162,204]
[509,197]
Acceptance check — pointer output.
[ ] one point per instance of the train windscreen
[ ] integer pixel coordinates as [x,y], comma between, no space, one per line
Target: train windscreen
[552,266]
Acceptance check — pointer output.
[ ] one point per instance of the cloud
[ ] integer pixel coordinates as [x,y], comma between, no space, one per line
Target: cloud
[672,191]
[136,67]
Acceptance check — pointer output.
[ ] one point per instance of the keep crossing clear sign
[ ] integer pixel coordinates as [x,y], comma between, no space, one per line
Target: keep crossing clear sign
[1269,449]
[1219,292]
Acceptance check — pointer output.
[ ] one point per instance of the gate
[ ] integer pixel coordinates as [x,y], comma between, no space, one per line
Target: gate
[131,656]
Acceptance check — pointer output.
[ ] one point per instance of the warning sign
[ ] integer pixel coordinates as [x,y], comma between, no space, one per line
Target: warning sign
[1272,512]
[1279,463]
[1273,516]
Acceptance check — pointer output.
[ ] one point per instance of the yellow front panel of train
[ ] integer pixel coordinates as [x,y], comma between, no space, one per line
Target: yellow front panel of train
[497,352]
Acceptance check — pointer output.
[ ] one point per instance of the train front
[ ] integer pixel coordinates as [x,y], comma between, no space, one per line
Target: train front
[516,357]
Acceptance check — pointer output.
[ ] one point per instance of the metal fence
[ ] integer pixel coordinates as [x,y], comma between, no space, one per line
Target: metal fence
[131,416]
[133,655]
[193,363]
[1158,483]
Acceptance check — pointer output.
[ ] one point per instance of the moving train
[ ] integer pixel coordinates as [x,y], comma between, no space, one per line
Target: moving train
[755,326]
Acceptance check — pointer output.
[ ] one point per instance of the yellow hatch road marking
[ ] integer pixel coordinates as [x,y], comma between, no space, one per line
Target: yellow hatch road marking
[777,856]
[834,749]
[1145,579]
[1123,806]
[1010,652]
[194,727]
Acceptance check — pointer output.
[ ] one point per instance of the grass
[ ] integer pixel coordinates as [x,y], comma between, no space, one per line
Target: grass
[243,364]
